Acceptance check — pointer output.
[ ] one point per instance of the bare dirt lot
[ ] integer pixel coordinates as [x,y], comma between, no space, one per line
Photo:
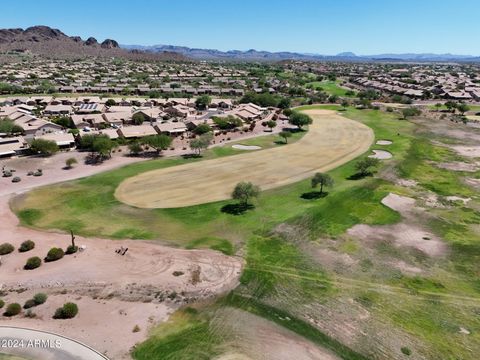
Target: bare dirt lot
[331,141]
[114,292]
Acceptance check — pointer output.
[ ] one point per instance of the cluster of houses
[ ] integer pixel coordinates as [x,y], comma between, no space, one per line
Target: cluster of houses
[39,117]
[416,81]
[105,76]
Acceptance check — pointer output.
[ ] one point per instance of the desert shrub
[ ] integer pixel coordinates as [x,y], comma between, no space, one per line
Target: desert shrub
[67,311]
[136,328]
[7,173]
[54,254]
[26,246]
[29,304]
[33,263]
[30,314]
[71,249]
[40,298]
[2,303]
[6,248]
[16,179]
[37,173]
[13,309]
[405,350]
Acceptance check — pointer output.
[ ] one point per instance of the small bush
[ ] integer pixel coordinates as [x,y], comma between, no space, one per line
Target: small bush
[6,248]
[13,309]
[67,311]
[405,350]
[33,263]
[16,179]
[54,254]
[71,249]
[26,246]
[37,173]
[29,304]
[40,298]
[7,173]
[2,303]
[136,328]
[30,314]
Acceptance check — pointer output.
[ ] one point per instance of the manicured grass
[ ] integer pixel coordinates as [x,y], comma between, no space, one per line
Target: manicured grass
[88,206]
[330,87]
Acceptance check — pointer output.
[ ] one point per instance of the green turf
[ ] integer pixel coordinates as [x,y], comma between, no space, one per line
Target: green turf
[330,87]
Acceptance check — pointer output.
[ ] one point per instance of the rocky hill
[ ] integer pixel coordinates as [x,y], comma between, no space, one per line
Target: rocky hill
[45,41]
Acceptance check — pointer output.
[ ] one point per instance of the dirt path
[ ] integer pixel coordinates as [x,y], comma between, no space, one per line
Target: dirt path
[332,140]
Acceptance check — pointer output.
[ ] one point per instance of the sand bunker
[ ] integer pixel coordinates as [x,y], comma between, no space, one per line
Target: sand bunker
[246,147]
[331,141]
[383,142]
[380,154]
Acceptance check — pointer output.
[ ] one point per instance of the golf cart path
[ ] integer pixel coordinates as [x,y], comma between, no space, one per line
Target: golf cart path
[331,141]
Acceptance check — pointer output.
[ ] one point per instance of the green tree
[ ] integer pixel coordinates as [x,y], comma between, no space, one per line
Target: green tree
[158,142]
[438,106]
[103,146]
[202,102]
[44,147]
[110,102]
[228,122]
[8,127]
[285,135]
[271,124]
[324,180]
[463,108]
[201,143]
[244,191]
[202,129]
[135,148]
[366,166]
[408,112]
[345,104]
[299,119]
[451,106]
[138,118]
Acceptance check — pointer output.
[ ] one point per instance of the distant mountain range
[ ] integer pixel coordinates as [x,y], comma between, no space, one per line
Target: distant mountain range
[212,54]
[50,42]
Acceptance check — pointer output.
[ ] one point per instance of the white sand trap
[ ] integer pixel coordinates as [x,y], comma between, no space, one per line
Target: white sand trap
[380,154]
[246,147]
[383,142]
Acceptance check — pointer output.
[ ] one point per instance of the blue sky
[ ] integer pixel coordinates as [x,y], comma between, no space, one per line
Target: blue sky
[314,26]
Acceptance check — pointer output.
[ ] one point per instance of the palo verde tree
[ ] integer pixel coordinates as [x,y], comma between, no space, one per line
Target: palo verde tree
[43,147]
[201,143]
[158,142]
[324,180]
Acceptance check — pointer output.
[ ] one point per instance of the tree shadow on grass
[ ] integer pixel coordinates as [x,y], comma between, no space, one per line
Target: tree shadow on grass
[359,176]
[236,209]
[313,195]
[192,156]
